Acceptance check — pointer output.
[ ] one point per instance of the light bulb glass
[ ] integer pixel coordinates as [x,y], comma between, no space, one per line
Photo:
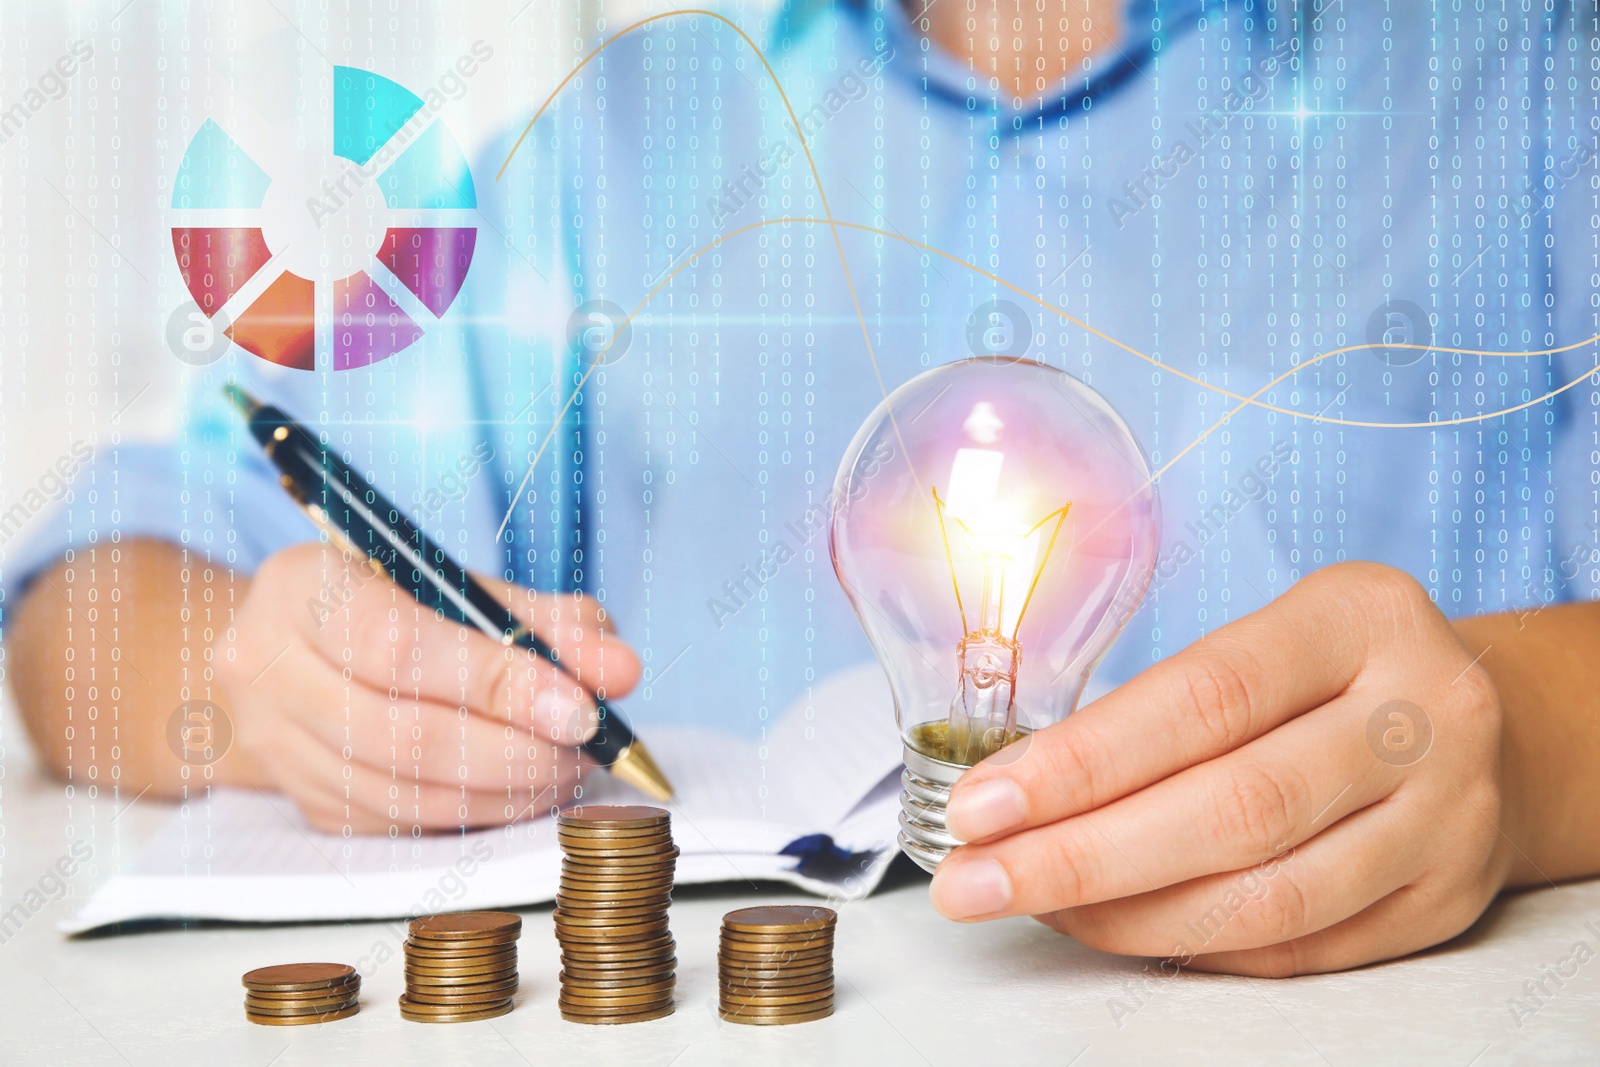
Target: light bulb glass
[994,526]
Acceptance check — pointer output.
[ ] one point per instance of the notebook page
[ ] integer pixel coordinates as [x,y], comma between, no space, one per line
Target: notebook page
[248,856]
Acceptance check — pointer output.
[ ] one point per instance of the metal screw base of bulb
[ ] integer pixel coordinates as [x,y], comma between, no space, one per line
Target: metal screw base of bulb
[926,782]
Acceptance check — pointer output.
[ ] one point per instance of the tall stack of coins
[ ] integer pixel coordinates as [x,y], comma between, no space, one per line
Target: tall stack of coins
[294,994]
[461,967]
[617,955]
[775,965]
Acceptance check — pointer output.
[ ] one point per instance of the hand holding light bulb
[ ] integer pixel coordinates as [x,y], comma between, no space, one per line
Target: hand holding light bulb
[994,526]
[1226,809]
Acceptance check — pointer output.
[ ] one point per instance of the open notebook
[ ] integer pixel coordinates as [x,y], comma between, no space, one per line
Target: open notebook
[815,805]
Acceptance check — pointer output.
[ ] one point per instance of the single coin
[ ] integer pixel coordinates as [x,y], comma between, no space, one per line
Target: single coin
[659,888]
[284,977]
[665,855]
[569,839]
[616,961]
[313,1007]
[587,957]
[783,986]
[581,955]
[615,1015]
[595,952]
[655,885]
[620,971]
[610,855]
[616,937]
[343,989]
[603,1020]
[499,974]
[633,909]
[430,1013]
[584,996]
[454,1004]
[474,958]
[774,959]
[613,1007]
[463,1000]
[812,984]
[462,952]
[659,895]
[464,944]
[301,1020]
[626,898]
[459,953]
[612,981]
[611,843]
[756,1012]
[609,987]
[740,950]
[786,941]
[478,958]
[575,912]
[477,983]
[764,971]
[776,1000]
[622,875]
[460,971]
[776,1020]
[606,922]
[779,917]
[620,863]
[653,872]
[637,869]
[613,930]
[621,816]
[581,818]
[460,979]
[583,916]
[580,919]
[466,925]
[798,933]
[778,985]
[603,828]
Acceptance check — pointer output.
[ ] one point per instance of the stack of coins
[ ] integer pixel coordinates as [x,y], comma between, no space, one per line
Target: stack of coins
[617,955]
[775,965]
[461,967]
[294,994]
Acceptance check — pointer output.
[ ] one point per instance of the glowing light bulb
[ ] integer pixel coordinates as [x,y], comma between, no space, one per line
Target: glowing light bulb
[994,526]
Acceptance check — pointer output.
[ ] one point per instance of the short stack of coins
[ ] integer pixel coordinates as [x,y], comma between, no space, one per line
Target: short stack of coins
[461,967]
[617,954]
[775,965]
[294,994]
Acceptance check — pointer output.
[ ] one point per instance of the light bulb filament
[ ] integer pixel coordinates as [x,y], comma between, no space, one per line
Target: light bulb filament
[983,715]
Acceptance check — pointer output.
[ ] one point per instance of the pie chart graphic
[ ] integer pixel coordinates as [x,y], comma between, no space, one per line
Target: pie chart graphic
[342,244]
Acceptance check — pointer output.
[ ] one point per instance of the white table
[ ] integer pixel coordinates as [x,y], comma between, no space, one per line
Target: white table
[912,988]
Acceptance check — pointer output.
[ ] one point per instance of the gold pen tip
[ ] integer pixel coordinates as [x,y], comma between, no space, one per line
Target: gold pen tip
[636,768]
[247,404]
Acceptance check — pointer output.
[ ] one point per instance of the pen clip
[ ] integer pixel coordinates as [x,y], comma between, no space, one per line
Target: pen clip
[335,536]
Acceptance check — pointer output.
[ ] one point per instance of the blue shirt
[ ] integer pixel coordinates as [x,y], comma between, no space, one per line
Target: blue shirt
[1220,200]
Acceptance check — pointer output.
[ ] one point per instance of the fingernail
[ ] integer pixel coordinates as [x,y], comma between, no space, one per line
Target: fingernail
[576,724]
[967,890]
[985,809]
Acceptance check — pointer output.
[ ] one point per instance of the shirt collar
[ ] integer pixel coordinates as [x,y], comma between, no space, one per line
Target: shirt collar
[1150,23]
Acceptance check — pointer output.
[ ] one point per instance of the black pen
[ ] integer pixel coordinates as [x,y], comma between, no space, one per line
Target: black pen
[347,506]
